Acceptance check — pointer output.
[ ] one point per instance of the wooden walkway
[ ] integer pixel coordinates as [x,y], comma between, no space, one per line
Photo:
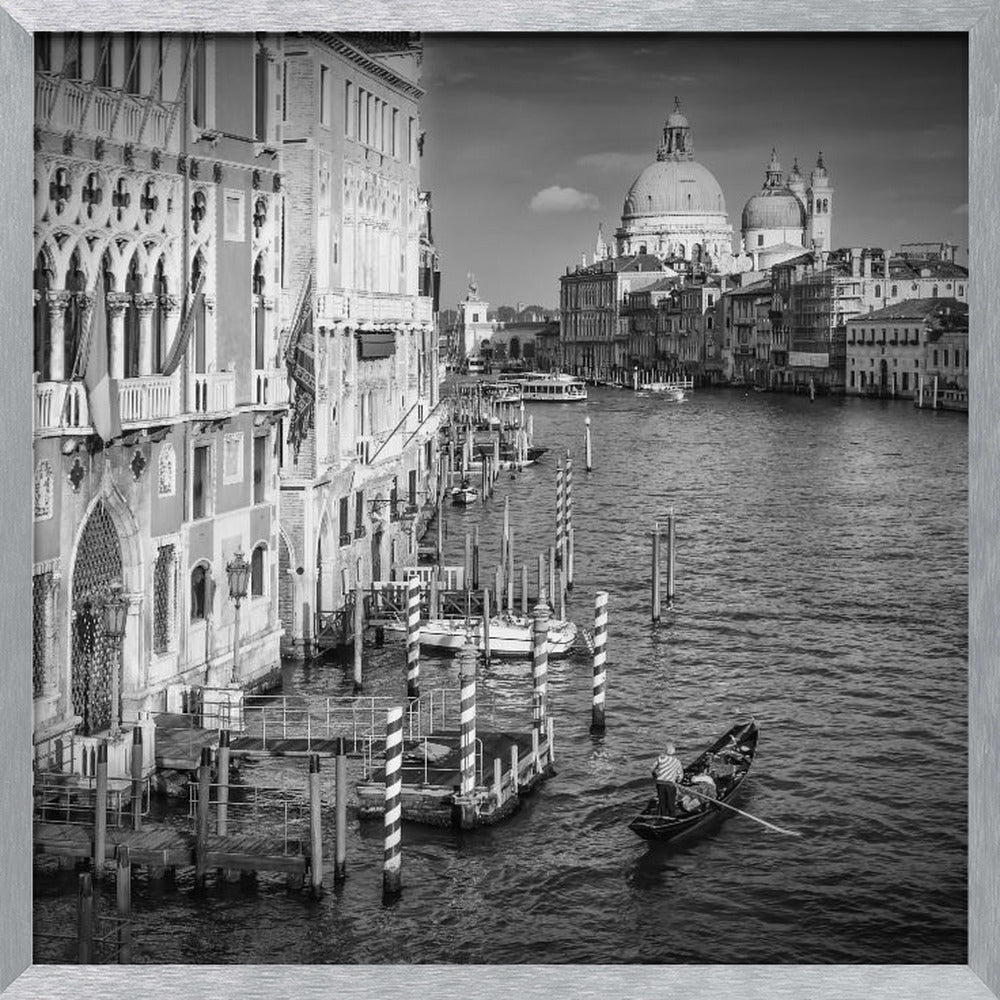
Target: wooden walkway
[290,746]
[161,848]
[179,742]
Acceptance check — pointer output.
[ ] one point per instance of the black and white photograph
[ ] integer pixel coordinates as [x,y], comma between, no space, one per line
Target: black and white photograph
[500,499]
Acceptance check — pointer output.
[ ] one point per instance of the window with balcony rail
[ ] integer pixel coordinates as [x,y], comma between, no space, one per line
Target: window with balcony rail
[201,589]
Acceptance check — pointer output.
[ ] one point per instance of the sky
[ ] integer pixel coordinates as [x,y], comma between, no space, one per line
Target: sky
[532,140]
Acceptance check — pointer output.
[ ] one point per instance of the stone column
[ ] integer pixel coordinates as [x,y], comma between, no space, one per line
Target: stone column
[56,303]
[117,301]
[145,304]
[271,359]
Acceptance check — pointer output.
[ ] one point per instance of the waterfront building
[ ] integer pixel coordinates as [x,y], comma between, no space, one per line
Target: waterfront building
[474,328]
[158,203]
[743,316]
[890,349]
[593,327]
[357,284]
[701,355]
[646,347]
[816,294]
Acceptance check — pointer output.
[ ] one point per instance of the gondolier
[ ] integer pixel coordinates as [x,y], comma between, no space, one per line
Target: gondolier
[667,771]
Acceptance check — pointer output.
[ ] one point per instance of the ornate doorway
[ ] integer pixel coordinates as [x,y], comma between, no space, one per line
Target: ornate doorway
[97,567]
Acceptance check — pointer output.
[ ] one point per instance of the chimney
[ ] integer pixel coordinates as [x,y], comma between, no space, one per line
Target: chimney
[887,256]
[866,264]
[855,262]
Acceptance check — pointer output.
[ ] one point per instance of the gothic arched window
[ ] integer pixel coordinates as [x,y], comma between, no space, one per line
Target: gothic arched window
[160,345]
[43,324]
[76,284]
[133,286]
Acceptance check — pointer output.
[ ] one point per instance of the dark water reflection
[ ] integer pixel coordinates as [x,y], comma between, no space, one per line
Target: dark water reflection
[821,586]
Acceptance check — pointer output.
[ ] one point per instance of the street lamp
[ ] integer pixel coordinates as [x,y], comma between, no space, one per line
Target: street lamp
[115,612]
[238,571]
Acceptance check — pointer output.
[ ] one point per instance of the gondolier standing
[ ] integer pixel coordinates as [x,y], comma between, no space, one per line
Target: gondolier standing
[667,771]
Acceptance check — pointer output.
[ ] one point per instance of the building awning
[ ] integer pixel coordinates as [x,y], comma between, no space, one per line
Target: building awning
[374,345]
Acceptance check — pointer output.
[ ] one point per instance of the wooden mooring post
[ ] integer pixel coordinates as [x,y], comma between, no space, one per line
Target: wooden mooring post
[670,558]
[539,663]
[589,458]
[315,829]
[222,781]
[85,920]
[136,774]
[475,558]
[486,625]
[524,588]
[359,634]
[467,740]
[100,809]
[340,859]
[123,886]
[655,585]
[201,829]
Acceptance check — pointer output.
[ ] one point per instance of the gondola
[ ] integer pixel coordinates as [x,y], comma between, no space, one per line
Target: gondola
[728,761]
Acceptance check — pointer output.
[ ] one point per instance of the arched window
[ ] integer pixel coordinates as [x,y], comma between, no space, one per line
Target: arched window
[160,345]
[259,346]
[257,572]
[878,291]
[198,305]
[200,592]
[43,324]
[934,295]
[133,286]
[76,285]
[895,291]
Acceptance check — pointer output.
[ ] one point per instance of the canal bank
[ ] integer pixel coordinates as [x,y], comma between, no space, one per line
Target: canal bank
[820,585]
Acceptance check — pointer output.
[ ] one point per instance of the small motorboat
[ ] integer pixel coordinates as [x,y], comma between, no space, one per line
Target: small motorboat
[727,761]
[666,389]
[510,635]
[464,495]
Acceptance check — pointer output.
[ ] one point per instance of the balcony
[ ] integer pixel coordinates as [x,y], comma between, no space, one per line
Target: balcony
[79,106]
[61,405]
[149,398]
[212,392]
[270,387]
[375,307]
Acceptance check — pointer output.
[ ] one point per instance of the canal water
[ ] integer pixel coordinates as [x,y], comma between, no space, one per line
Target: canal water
[821,576]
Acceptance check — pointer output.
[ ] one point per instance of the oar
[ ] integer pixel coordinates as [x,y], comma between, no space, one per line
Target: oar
[688,790]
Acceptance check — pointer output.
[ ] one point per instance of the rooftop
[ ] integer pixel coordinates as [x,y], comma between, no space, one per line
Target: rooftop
[918,309]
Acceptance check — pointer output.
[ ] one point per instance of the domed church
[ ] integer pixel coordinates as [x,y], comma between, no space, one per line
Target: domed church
[785,216]
[675,208]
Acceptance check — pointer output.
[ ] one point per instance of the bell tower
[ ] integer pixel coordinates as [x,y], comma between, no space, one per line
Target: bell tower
[819,208]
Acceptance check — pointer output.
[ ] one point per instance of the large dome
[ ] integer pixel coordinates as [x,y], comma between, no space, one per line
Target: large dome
[674,186]
[777,209]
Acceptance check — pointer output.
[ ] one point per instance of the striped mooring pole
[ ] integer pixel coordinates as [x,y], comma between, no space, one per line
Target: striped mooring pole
[600,655]
[413,637]
[392,858]
[560,499]
[467,747]
[539,663]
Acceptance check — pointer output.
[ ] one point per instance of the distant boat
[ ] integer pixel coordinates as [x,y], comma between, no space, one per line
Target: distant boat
[510,635]
[540,387]
[668,389]
[464,495]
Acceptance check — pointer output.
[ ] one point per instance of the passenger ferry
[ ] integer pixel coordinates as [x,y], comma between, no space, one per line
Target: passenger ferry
[541,387]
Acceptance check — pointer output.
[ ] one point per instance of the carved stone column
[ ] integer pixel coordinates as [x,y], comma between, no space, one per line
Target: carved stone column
[117,303]
[56,303]
[145,304]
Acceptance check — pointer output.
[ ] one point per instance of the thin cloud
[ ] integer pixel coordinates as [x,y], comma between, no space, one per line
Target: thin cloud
[562,199]
[615,162]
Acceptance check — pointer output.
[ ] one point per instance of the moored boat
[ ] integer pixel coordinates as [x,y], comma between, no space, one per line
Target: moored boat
[667,389]
[727,761]
[464,495]
[510,635]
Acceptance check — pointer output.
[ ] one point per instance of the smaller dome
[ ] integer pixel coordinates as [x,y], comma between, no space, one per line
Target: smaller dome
[778,209]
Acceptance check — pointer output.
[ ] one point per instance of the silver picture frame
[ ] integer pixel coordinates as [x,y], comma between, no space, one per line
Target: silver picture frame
[978,980]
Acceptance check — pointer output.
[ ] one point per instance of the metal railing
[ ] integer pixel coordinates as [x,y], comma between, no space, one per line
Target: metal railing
[278,811]
[72,804]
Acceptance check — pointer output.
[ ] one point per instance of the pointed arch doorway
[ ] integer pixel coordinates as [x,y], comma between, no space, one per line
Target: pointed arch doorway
[96,569]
